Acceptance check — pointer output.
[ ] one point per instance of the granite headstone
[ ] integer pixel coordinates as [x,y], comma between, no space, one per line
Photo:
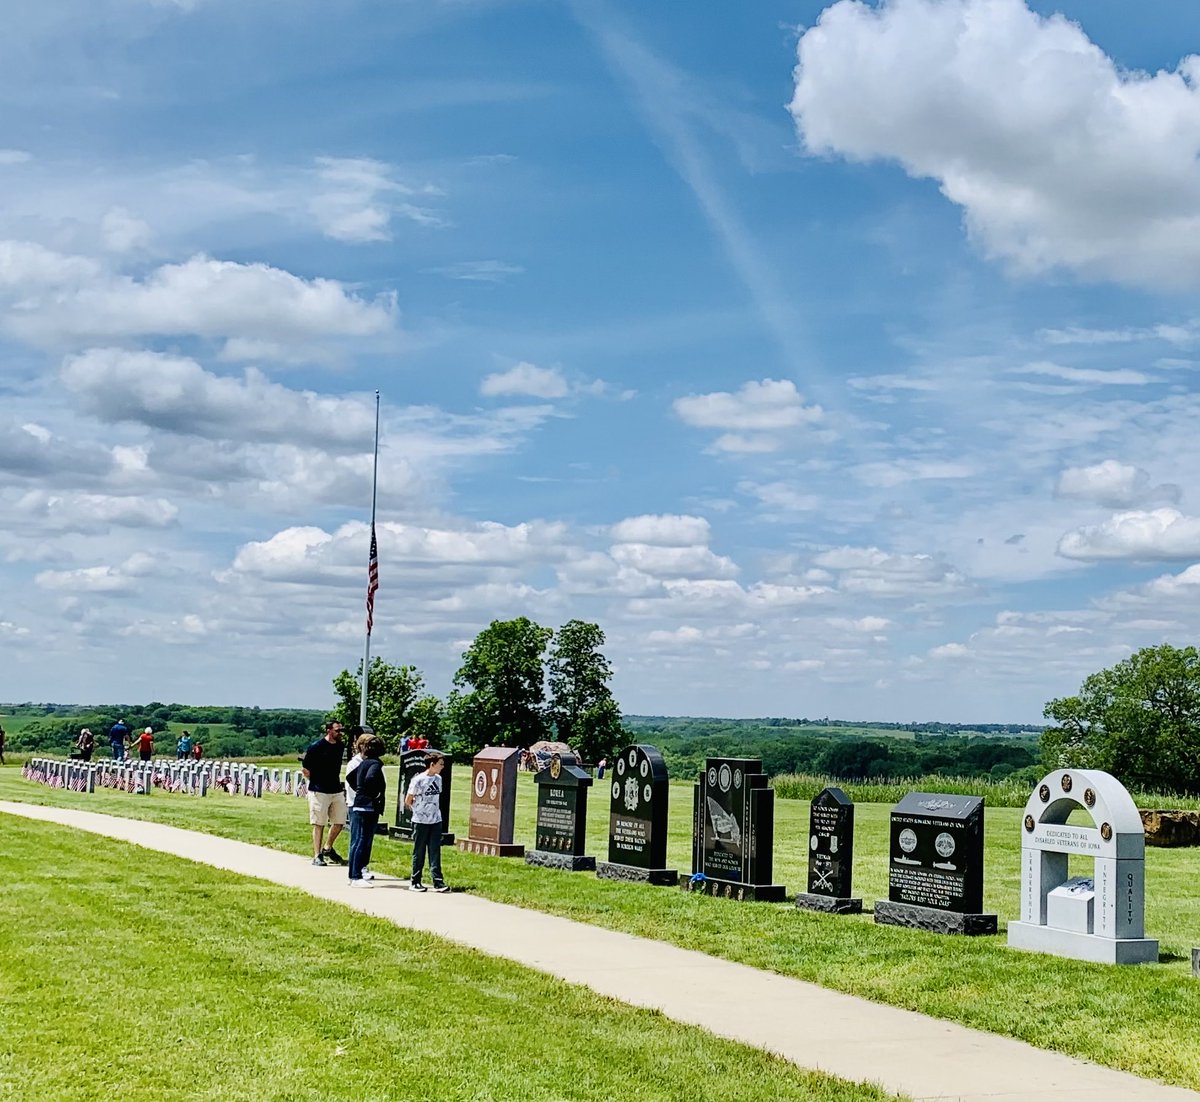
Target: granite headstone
[733,832]
[412,762]
[493,803]
[562,790]
[637,819]
[935,875]
[830,854]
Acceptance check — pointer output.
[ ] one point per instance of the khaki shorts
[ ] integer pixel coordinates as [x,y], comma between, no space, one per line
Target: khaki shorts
[327,807]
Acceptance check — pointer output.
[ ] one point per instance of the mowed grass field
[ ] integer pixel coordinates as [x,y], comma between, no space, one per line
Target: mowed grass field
[1139,1019]
[134,975]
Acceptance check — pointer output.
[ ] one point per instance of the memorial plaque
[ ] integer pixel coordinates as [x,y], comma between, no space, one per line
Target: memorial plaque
[1098,917]
[493,803]
[412,762]
[830,854]
[935,876]
[733,820]
[637,819]
[561,816]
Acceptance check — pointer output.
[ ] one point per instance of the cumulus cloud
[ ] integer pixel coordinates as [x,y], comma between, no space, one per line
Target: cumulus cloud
[201,297]
[525,380]
[1113,484]
[177,394]
[1057,157]
[673,562]
[869,570]
[124,578]
[756,418]
[88,513]
[121,232]
[665,530]
[1137,535]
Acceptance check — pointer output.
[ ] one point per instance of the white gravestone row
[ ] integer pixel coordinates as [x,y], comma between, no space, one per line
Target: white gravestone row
[188,778]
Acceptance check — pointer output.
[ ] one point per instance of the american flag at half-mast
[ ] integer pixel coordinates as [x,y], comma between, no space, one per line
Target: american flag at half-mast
[372,580]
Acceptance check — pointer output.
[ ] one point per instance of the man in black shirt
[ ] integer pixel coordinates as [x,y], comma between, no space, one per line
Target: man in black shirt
[322,765]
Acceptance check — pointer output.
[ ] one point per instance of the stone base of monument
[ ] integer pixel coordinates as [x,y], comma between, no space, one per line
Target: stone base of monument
[544,859]
[1080,946]
[735,889]
[400,834]
[610,870]
[935,921]
[490,849]
[828,904]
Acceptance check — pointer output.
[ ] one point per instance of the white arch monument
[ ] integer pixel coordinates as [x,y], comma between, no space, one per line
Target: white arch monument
[1098,918]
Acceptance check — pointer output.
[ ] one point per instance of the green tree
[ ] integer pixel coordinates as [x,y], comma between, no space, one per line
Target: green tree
[391,693]
[582,707]
[1139,720]
[425,720]
[504,680]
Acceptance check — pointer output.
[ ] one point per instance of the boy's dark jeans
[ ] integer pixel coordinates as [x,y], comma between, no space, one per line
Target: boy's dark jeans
[427,836]
[362,837]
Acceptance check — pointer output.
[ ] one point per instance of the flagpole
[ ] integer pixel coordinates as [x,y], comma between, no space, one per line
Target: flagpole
[372,576]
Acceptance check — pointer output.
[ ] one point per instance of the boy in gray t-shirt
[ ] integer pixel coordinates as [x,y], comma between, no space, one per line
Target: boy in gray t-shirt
[424,800]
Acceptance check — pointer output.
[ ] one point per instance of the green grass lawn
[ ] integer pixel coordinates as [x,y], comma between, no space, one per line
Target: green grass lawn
[138,976]
[1138,1019]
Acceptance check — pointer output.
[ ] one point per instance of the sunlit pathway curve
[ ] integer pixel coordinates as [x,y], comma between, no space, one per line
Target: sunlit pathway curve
[815,1028]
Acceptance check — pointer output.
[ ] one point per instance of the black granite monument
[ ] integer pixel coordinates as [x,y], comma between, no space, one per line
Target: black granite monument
[413,762]
[733,832]
[936,868]
[830,855]
[562,790]
[637,819]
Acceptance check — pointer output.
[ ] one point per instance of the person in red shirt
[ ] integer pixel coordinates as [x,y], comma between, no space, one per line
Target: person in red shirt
[145,744]
[197,751]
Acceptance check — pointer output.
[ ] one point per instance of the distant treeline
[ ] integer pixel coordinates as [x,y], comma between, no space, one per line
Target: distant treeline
[831,749]
[225,732]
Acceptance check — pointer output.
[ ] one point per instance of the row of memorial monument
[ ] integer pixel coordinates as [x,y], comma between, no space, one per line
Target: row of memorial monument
[936,847]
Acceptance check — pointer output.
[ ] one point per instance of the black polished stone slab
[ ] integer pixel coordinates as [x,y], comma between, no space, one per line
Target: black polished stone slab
[733,889]
[562,790]
[413,762]
[638,789]
[933,919]
[936,854]
[831,844]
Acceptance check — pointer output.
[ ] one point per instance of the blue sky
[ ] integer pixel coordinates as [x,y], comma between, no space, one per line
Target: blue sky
[836,359]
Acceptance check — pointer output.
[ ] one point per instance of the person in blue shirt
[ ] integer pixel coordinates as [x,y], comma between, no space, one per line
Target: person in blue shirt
[183,748]
[118,735]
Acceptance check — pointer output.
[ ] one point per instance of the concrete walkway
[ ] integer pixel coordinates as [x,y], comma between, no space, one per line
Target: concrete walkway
[813,1027]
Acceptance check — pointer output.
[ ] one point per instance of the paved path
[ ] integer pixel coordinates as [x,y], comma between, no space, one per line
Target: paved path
[813,1027]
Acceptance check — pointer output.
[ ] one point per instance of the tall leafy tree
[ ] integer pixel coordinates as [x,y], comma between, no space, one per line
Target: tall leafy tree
[500,697]
[582,708]
[1139,720]
[391,693]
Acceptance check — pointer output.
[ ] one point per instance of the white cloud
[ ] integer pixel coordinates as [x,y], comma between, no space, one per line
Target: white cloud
[355,199]
[868,570]
[781,497]
[14,157]
[121,232]
[673,562]
[176,394]
[1058,157]
[1112,484]
[83,512]
[201,297]
[526,380]
[664,531]
[1086,375]
[478,271]
[886,475]
[1137,535]
[767,406]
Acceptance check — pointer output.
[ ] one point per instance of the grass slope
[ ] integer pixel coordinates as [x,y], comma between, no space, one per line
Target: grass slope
[1121,1017]
[149,979]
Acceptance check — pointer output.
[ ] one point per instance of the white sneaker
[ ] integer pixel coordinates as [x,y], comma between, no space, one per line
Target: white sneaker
[368,874]
[364,883]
